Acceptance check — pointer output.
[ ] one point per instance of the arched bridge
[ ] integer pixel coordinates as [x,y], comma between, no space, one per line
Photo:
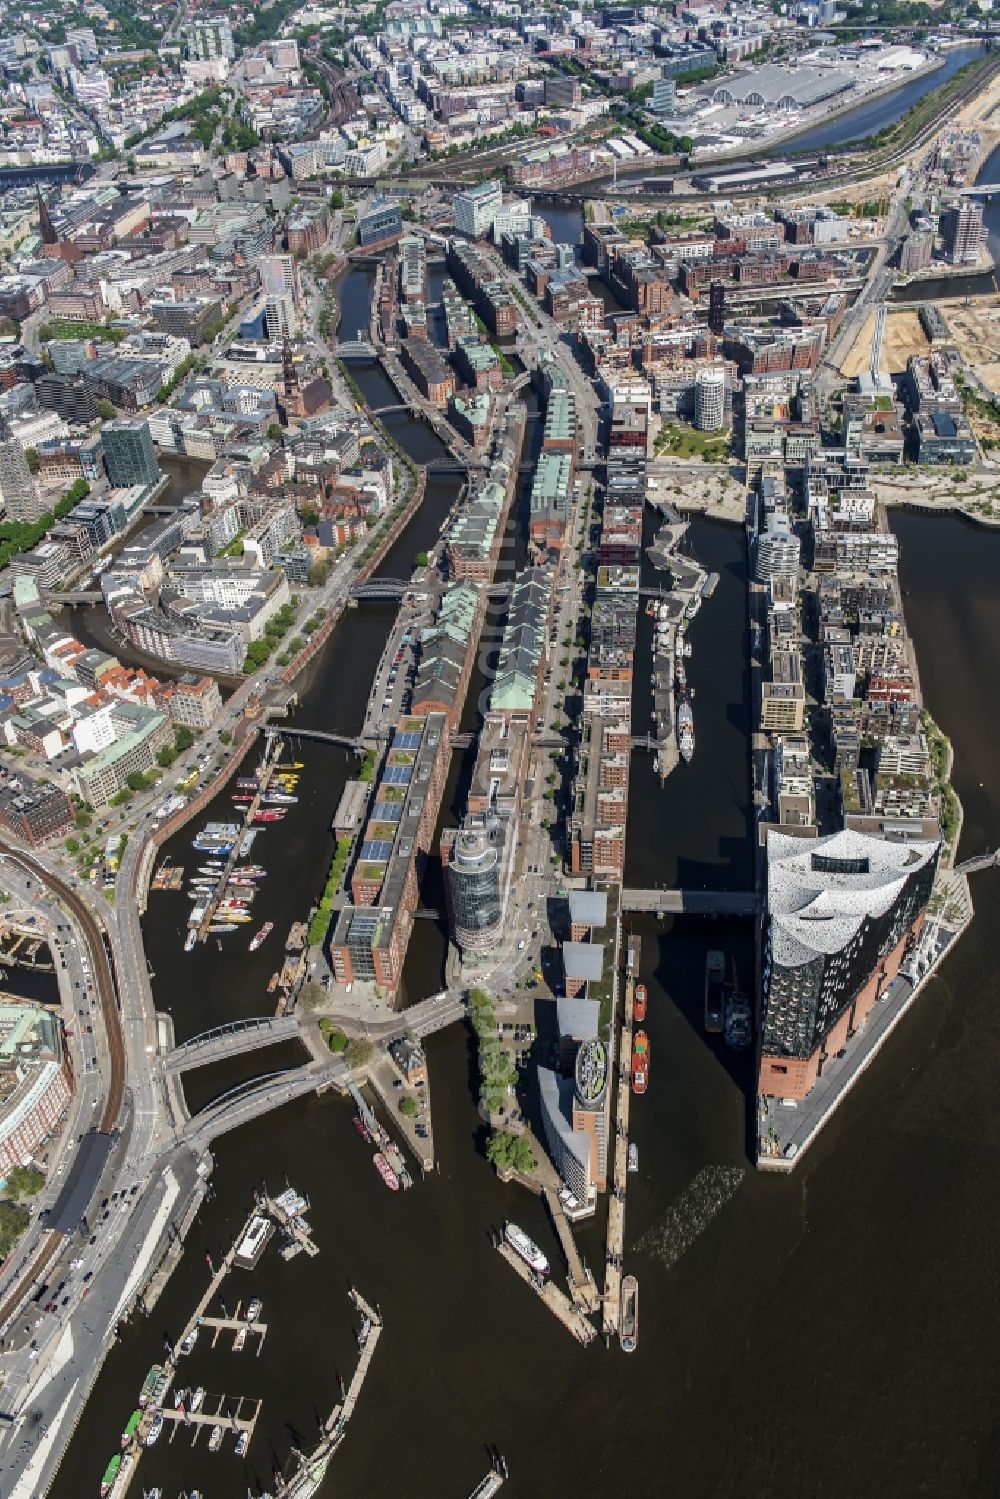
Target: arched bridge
[287,731]
[380,588]
[229,1040]
[356,348]
[980,861]
[257,1096]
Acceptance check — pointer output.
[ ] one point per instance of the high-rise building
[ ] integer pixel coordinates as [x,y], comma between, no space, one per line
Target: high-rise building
[474,892]
[717,308]
[279,279]
[962,232]
[475,208]
[916,252]
[710,399]
[129,453]
[18,490]
[664,96]
[841,911]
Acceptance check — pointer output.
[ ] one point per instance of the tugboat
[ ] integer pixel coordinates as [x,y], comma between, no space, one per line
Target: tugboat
[640,1002]
[640,1062]
[526,1249]
[715,974]
[629,1326]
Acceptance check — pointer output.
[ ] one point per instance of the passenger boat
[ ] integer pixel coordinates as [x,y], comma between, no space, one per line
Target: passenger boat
[715,974]
[215,1440]
[633,1157]
[198,1399]
[110,1474]
[385,1171]
[131,1428]
[640,1062]
[253,1242]
[362,1128]
[259,937]
[156,1426]
[151,1385]
[242,1443]
[525,1248]
[640,1002]
[269,814]
[629,1325]
[188,1343]
[685,729]
[254,1309]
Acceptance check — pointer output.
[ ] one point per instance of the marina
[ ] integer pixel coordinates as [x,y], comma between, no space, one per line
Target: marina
[557,1301]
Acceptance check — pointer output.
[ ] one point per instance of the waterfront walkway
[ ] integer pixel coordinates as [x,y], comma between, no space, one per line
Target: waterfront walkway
[582,1289]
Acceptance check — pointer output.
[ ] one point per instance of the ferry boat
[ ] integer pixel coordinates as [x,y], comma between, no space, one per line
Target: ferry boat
[197,1399]
[629,1326]
[525,1248]
[242,1443]
[215,1440]
[188,1343]
[110,1474]
[640,1002]
[254,1309]
[259,937]
[152,1385]
[385,1171]
[156,1426]
[633,1158]
[685,730]
[253,1242]
[640,1062]
[131,1428]
[715,974]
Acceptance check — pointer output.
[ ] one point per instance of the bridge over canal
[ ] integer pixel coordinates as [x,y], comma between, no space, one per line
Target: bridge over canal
[231,1040]
[690,902]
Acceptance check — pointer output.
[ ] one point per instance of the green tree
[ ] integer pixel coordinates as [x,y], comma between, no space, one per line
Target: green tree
[183,739]
[34,463]
[13,1221]
[165,756]
[408,1106]
[24,1181]
[105,410]
[274,432]
[225,737]
[135,780]
[312,995]
[421,559]
[359,1051]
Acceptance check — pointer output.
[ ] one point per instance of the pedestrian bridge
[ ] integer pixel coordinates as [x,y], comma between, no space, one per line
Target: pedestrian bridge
[258,1096]
[381,588]
[288,731]
[690,902]
[225,1041]
[981,861]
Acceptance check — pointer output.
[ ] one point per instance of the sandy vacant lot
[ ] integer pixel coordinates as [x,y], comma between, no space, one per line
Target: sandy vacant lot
[903,337]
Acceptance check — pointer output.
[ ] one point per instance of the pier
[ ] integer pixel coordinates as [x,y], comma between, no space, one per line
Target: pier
[215,899]
[616,1204]
[582,1290]
[557,1301]
[292,1222]
[240,1326]
[196,1421]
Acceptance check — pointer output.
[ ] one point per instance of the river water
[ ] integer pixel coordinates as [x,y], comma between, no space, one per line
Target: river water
[830,1334]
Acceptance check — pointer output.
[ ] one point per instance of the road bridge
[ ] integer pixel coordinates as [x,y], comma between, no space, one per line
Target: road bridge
[355,348]
[690,902]
[258,1096]
[381,588]
[225,1041]
[75,596]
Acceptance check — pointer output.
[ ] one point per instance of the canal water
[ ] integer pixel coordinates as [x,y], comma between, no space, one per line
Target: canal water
[821,1336]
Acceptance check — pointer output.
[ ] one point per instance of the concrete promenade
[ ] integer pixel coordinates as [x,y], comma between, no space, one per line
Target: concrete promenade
[616,1203]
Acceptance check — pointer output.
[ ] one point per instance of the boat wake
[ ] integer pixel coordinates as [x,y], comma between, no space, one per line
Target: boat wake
[691,1214]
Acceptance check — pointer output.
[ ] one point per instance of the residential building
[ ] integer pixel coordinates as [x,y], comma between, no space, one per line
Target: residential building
[475,208]
[33,811]
[36,1082]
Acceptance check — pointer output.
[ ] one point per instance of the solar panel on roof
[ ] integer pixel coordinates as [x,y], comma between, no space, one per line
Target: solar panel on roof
[387,811]
[376,850]
[397,775]
[407,739]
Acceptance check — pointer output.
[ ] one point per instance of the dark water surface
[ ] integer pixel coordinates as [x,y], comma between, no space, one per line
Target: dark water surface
[832,1334]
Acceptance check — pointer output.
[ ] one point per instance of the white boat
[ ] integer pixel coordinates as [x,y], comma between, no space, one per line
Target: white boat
[190,939]
[254,1309]
[633,1157]
[215,1440]
[198,1399]
[685,730]
[155,1427]
[251,1246]
[526,1249]
[242,1443]
[188,1343]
